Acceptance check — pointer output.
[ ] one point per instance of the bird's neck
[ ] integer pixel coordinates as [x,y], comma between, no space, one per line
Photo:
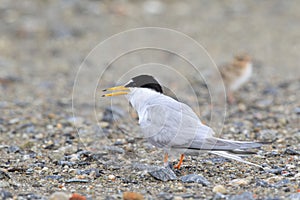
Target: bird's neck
[139,98]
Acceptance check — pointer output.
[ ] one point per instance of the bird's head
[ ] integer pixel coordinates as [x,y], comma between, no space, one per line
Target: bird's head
[141,81]
[242,60]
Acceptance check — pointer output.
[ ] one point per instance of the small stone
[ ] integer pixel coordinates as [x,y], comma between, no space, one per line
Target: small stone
[240,182]
[165,196]
[4,174]
[276,171]
[244,196]
[291,152]
[14,121]
[274,179]
[76,196]
[297,175]
[53,177]
[77,121]
[262,183]
[74,180]
[59,196]
[219,189]
[4,184]
[264,103]
[132,196]
[5,194]
[114,149]
[59,126]
[177,198]
[29,195]
[103,124]
[219,196]
[163,174]
[111,177]
[281,183]
[242,107]
[295,196]
[194,178]
[13,149]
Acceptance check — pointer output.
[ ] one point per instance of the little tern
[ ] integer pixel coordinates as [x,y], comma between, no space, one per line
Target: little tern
[169,124]
[236,74]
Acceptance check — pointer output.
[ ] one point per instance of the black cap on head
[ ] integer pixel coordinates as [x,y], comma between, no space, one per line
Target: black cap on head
[145,81]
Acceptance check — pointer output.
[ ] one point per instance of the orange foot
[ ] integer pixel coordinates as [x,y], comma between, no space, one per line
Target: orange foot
[166,160]
[180,162]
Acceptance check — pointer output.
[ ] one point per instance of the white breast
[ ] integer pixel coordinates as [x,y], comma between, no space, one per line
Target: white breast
[242,79]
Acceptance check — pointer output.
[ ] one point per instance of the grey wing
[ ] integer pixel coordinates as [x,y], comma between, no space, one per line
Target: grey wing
[172,124]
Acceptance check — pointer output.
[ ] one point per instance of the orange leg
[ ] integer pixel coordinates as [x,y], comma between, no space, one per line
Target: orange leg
[180,162]
[166,159]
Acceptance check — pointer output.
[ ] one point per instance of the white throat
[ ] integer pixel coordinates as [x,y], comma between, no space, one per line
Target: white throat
[139,98]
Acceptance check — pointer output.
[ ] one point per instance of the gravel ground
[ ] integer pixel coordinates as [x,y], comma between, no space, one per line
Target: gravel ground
[42,44]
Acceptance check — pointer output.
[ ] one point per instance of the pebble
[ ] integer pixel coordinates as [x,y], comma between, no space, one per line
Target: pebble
[281,183]
[54,177]
[104,124]
[276,171]
[194,178]
[114,149]
[66,163]
[264,103]
[5,194]
[30,196]
[295,196]
[94,171]
[240,182]
[163,174]
[219,196]
[4,184]
[177,198]
[262,183]
[59,196]
[75,180]
[76,196]
[14,121]
[111,177]
[292,152]
[132,196]
[243,196]
[13,149]
[165,196]
[219,189]
[4,174]
[76,121]
[297,110]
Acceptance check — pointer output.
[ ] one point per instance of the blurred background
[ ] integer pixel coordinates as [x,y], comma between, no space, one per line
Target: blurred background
[42,43]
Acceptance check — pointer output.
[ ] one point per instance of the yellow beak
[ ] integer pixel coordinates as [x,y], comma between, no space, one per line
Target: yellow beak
[122,91]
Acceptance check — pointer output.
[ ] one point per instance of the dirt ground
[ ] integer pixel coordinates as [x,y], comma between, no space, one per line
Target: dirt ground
[43,150]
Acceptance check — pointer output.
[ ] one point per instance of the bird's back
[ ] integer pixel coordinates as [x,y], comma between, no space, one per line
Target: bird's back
[166,123]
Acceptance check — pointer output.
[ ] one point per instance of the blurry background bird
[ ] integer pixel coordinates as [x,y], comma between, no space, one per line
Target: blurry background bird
[236,74]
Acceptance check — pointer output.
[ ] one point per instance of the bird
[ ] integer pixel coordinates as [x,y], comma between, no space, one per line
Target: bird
[236,74]
[173,126]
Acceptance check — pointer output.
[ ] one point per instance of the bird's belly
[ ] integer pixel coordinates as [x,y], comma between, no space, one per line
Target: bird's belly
[241,80]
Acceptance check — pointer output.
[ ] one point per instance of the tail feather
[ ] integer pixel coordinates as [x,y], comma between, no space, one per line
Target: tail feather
[233,157]
[225,148]
[216,144]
